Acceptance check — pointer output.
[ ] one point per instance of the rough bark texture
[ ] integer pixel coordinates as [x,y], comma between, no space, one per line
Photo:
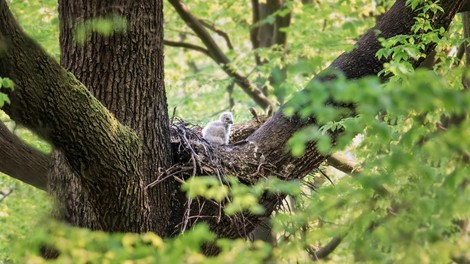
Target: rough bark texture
[130,81]
[106,157]
[58,107]
[20,161]
[264,152]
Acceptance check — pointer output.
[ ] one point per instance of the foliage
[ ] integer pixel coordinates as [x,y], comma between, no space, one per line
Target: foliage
[83,246]
[105,26]
[406,202]
[413,186]
[40,20]
[318,33]
[5,83]
[21,213]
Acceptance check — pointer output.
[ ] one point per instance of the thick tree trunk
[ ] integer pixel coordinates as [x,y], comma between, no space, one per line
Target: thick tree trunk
[130,83]
[108,161]
[105,156]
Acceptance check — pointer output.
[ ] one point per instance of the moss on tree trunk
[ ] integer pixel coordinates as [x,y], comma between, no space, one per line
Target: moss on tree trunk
[101,175]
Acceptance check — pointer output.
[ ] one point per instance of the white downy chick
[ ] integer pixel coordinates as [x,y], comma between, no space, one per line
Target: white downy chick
[218,132]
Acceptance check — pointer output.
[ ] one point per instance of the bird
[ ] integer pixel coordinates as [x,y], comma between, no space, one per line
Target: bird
[218,132]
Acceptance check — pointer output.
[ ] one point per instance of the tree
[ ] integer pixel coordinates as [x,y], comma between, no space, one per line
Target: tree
[104,162]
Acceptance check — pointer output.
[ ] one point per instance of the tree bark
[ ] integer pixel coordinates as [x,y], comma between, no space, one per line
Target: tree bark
[108,160]
[264,34]
[106,155]
[20,161]
[264,152]
[130,83]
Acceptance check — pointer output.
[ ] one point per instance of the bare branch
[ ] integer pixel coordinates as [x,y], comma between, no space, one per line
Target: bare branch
[460,53]
[218,56]
[325,251]
[187,46]
[219,32]
[4,193]
[231,100]
[342,165]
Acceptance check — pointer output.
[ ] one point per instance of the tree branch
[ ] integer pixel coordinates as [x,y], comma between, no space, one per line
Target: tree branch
[263,153]
[54,104]
[326,250]
[5,193]
[219,32]
[342,165]
[218,56]
[466,32]
[187,46]
[21,161]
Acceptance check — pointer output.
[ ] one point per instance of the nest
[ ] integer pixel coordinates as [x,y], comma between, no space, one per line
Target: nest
[192,155]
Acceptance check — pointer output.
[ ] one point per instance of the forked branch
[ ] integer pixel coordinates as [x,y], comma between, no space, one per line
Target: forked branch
[219,56]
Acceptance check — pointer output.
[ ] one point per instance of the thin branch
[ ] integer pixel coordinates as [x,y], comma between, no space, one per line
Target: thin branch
[342,165]
[325,251]
[187,46]
[231,100]
[460,53]
[5,193]
[219,32]
[218,56]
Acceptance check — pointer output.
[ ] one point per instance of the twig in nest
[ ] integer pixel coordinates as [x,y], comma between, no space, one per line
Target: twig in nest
[173,115]
[168,175]
[199,158]
[270,110]
[326,176]
[254,113]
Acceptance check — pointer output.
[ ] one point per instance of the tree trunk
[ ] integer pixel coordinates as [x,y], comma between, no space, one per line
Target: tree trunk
[265,34]
[110,165]
[130,83]
[103,166]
